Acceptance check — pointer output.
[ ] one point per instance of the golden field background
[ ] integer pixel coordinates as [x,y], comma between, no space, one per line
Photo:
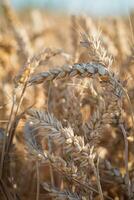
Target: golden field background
[66,106]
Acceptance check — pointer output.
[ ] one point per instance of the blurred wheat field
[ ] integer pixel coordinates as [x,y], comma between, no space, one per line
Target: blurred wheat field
[66,106]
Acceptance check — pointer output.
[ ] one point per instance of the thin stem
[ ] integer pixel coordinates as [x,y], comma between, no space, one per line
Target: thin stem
[126,157]
[50,167]
[96,172]
[6,133]
[10,137]
[48,99]
[38,181]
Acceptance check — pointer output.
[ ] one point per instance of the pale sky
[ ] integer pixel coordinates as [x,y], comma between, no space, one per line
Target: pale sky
[93,7]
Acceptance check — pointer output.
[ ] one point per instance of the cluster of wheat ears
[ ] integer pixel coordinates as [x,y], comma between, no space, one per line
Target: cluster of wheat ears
[66,106]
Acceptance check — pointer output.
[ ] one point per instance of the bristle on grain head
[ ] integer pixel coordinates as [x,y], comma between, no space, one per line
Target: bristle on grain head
[96,50]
